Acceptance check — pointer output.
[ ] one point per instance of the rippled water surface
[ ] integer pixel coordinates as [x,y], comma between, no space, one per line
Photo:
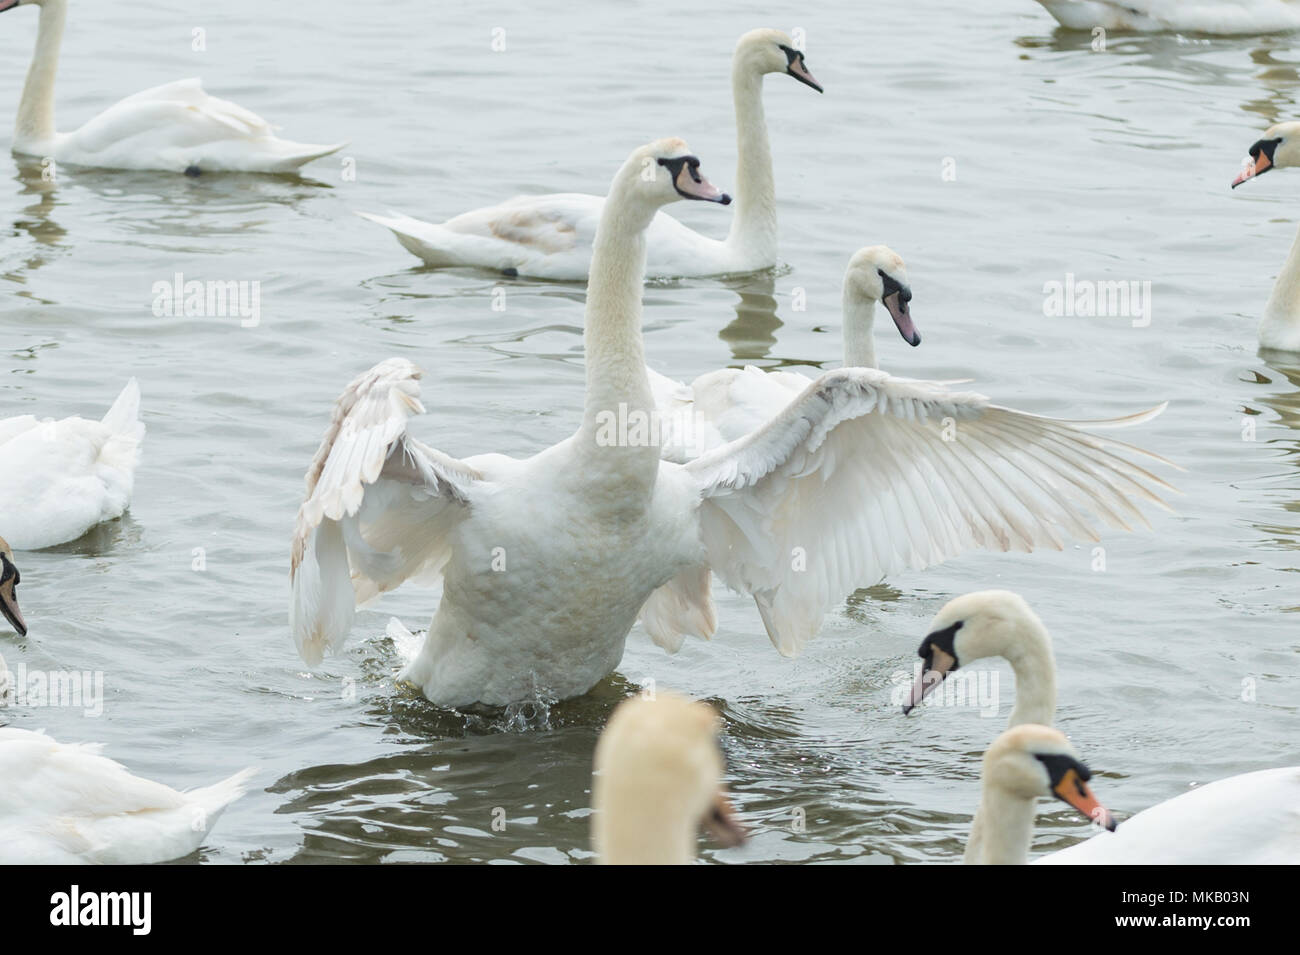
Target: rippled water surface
[1109,165]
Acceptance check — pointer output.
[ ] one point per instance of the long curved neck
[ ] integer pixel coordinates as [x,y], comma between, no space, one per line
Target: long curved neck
[753,229]
[35,120]
[1034,665]
[1002,829]
[619,406]
[1280,327]
[859,340]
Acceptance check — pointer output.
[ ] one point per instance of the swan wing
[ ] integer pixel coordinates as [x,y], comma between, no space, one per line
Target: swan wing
[379,507]
[864,475]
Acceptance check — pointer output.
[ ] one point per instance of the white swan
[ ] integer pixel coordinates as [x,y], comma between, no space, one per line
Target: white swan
[657,782]
[58,479]
[1026,763]
[1252,818]
[551,236]
[991,623]
[727,404]
[66,804]
[176,127]
[1226,17]
[9,580]
[546,562]
[1279,330]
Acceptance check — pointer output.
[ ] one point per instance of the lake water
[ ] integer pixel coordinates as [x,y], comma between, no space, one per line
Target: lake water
[993,152]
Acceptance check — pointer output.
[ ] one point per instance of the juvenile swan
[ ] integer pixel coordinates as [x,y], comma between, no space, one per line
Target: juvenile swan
[58,479]
[658,780]
[1225,17]
[1280,328]
[546,562]
[551,236]
[174,128]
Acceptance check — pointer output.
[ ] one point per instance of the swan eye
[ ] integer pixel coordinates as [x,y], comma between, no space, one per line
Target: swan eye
[942,640]
[8,571]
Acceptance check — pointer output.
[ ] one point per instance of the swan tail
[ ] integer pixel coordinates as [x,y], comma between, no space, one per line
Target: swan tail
[424,240]
[292,156]
[121,450]
[211,801]
[323,601]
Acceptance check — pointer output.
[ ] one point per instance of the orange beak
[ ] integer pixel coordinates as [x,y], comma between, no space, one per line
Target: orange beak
[1253,168]
[721,823]
[1075,791]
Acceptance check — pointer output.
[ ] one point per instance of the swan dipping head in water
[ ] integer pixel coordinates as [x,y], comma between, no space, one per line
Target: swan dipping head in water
[9,580]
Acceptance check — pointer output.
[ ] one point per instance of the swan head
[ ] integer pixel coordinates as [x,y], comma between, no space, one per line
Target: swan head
[1278,148]
[988,623]
[658,781]
[772,51]
[1032,761]
[662,172]
[9,579]
[877,274]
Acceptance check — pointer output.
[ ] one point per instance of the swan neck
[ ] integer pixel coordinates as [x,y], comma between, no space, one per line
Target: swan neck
[1280,327]
[1034,665]
[618,388]
[753,228]
[34,124]
[1002,829]
[648,836]
[859,340]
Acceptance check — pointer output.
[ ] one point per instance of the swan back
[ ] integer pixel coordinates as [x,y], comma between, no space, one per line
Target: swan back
[658,780]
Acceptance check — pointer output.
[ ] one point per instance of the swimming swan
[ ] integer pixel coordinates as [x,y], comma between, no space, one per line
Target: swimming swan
[1280,328]
[551,236]
[175,128]
[1225,17]
[1026,763]
[721,406]
[67,804]
[547,562]
[1252,818]
[58,479]
[657,782]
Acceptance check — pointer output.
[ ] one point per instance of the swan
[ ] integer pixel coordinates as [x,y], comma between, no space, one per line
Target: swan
[991,623]
[65,804]
[9,580]
[1251,818]
[657,781]
[1226,17]
[546,562]
[176,127]
[58,479]
[551,236]
[1026,763]
[1279,330]
[727,404]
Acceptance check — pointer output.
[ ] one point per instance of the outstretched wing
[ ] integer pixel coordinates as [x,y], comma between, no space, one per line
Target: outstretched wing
[864,475]
[378,511]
